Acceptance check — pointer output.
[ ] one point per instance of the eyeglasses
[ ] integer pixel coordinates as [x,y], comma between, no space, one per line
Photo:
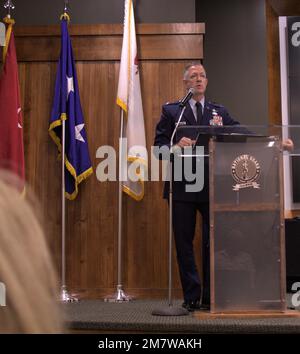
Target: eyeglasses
[196,76]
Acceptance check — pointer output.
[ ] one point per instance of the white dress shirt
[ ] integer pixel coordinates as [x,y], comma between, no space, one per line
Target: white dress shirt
[192,103]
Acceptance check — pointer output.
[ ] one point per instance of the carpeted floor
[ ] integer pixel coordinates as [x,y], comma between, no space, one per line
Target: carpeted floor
[136,316]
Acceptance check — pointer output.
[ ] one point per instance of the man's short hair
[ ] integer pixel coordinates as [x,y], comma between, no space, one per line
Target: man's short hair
[189,65]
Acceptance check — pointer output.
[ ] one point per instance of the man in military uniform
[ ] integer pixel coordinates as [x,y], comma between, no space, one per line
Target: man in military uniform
[199,111]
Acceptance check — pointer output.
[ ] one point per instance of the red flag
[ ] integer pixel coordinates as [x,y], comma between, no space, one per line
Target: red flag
[11,120]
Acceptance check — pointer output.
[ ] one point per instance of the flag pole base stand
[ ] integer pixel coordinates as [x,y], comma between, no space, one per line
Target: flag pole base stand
[170,311]
[66,297]
[119,296]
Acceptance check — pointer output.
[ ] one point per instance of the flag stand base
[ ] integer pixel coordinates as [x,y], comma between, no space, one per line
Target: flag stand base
[66,297]
[119,296]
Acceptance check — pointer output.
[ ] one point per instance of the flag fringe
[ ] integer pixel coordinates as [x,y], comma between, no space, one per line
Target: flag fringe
[137,197]
[122,104]
[10,22]
[126,189]
[69,166]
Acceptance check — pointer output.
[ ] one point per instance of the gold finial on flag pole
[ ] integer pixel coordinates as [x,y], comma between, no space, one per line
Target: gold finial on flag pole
[66,5]
[10,22]
[9,6]
[65,15]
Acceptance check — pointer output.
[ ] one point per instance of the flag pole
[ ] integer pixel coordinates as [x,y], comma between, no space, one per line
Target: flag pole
[171,310]
[120,295]
[65,296]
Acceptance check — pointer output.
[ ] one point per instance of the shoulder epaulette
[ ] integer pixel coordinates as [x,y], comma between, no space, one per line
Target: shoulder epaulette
[172,103]
[217,105]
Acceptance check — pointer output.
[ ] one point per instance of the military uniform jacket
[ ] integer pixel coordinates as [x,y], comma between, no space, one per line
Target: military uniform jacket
[164,129]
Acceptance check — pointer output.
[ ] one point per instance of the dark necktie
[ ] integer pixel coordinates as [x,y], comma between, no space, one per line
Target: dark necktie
[199,113]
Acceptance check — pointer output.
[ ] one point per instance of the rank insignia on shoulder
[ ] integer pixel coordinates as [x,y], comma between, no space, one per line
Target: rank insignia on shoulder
[171,103]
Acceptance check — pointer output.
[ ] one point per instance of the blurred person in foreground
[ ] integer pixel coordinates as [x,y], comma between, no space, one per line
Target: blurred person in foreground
[26,267]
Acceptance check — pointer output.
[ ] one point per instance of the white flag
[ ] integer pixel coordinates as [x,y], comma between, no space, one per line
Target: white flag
[2,34]
[130,100]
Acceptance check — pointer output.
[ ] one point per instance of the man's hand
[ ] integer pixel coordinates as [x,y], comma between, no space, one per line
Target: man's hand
[183,142]
[288,145]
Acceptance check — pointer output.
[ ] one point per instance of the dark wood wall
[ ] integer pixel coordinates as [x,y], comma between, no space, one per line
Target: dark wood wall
[273,55]
[274,9]
[92,219]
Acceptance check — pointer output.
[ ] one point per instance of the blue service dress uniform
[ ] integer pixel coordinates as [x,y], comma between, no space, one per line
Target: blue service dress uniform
[186,204]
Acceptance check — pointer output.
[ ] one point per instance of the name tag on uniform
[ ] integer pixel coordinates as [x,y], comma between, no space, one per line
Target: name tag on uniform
[182,123]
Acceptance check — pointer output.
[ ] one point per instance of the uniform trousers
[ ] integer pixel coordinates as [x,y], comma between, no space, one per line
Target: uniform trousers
[184,223]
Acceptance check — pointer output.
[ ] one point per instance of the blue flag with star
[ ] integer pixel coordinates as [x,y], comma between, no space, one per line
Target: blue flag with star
[66,106]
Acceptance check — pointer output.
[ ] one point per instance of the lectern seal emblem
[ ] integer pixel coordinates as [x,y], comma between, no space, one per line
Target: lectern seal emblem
[245,170]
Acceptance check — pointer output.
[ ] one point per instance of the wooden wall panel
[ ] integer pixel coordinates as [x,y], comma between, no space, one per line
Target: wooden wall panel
[104,42]
[92,219]
[286,7]
[273,53]
[274,9]
[109,48]
[42,172]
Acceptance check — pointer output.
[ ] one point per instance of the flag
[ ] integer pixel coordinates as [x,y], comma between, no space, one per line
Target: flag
[66,106]
[11,120]
[130,101]
[2,34]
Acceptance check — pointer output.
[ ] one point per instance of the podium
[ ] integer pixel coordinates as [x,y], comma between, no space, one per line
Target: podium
[247,245]
[247,241]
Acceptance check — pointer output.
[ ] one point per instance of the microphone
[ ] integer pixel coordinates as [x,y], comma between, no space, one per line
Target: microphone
[182,104]
[187,97]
